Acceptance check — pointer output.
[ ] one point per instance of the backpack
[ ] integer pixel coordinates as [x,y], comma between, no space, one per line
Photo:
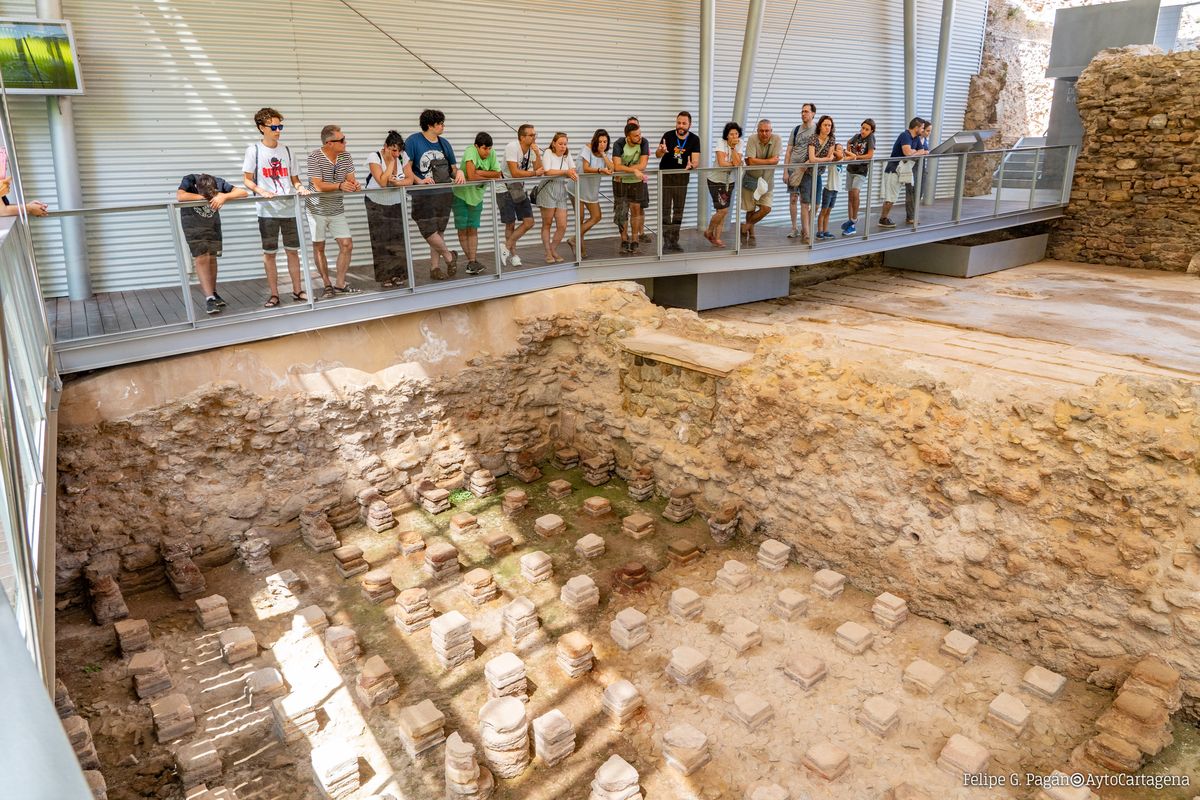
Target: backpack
[286,149]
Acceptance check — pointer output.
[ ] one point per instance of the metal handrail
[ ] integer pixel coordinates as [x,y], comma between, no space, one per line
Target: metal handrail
[869,202]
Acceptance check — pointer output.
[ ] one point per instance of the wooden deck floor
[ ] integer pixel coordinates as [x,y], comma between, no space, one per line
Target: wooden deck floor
[145,309]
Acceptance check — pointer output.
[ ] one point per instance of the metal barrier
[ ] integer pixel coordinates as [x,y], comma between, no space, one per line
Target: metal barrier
[145,235]
[31,389]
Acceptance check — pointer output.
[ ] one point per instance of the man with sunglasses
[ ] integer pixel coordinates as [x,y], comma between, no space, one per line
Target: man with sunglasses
[268,171]
[331,172]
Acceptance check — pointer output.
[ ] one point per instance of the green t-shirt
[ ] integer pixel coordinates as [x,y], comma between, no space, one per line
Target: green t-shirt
[473,195]
[630,156]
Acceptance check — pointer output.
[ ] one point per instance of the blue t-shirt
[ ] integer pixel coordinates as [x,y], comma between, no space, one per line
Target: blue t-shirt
[427,157]
[905,138]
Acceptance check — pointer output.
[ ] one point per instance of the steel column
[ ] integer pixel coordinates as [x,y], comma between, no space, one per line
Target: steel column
[754,17]
[939,90]
[910,60]
[707,132]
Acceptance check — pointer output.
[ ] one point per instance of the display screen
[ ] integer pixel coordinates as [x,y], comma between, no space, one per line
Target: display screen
[38,57]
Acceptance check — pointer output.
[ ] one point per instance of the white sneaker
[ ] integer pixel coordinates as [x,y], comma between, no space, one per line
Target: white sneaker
[514,261]
[504,254]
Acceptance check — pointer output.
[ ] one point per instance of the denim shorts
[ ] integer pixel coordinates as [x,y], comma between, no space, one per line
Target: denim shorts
[828,198]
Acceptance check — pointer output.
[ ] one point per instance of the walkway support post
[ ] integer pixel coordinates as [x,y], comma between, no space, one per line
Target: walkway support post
[754,16]
[910,60]
[66,179]
[939,93]
[707,131]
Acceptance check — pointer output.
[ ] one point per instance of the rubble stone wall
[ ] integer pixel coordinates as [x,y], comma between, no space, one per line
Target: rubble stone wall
[1062,527]
[1135,196]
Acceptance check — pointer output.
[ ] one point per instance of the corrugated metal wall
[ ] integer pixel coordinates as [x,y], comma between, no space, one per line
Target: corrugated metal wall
[172,86]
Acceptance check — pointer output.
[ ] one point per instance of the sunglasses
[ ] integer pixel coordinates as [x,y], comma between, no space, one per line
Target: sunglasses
[275,127]
[338,141]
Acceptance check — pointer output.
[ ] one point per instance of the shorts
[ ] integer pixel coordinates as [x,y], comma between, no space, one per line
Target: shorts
[748,201]
[466,216]
[203,234]
[269,229]
[804,190]
[431,211]
[634,193]
[721,194]
[828,198]
[854,181]
[891,187]
[322,227]
[510,212]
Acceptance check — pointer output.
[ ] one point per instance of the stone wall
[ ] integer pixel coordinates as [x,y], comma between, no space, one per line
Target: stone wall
[1062,526]
[1136,187]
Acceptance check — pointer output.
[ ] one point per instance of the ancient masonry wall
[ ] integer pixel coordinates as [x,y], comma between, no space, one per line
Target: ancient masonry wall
[1134,200]
[1063,529]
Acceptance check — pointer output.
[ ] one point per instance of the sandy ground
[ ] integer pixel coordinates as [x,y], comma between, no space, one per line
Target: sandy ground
[260,768]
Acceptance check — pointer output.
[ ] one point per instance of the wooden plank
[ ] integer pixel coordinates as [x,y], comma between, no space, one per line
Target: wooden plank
[79,328]
[121,308]
[143,316]
[108,317]
[91,311]
[170,302]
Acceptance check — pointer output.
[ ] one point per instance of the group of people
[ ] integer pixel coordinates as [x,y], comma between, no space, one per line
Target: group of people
[528,176]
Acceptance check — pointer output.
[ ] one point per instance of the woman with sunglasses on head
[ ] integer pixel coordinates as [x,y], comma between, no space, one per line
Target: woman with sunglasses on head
[554,194]
[385,211]
[720,184]
[595,161]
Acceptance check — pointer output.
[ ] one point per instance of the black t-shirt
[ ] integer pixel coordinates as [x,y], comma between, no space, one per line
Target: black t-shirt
[188,184]
[679,151]
[860,147]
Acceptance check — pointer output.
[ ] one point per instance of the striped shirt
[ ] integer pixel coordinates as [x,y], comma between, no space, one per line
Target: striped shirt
[327,204]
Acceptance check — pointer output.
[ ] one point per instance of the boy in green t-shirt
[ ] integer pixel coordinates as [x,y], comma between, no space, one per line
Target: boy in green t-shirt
[629,163]
[480,164]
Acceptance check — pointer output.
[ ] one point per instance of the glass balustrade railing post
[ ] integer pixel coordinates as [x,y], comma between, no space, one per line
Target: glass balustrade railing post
[918,169]
[999,185]
[740,175]
[1068,176]
[408,246]
[814,207]
[304,269]
[575,237]
[960,183]
[658,194]
[497,249]
[181,260]
[1033,178]
[866,205]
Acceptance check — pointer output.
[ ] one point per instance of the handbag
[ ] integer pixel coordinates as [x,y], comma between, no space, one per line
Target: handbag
[533,194]
[905,172]
[517,190]
[749,182]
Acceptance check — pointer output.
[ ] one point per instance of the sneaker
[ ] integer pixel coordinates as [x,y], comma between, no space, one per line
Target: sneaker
[886,223]
[847,224]
[625,247]
[504,255]
[474,268]
[634,246]
[795,234]
[212,306]
[849,230]
[514,260]
[910,222]
[827,235]
[672,248]
[220,300]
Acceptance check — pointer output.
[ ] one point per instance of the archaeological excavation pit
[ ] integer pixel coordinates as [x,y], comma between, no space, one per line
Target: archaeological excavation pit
[877,547]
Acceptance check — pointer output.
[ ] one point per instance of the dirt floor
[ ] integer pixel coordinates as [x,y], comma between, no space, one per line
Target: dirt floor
[1050,323]
[259,768]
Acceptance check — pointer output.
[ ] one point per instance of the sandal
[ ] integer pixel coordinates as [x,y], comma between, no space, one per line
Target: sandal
[717,243]
[452,264]
[328,292]
[347,289]
[390,283]
[272,301]
[300,296]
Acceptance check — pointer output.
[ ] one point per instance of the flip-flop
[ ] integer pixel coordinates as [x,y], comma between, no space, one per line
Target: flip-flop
[272,301]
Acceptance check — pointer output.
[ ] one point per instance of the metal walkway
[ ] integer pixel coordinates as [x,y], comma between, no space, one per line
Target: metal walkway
[115,328]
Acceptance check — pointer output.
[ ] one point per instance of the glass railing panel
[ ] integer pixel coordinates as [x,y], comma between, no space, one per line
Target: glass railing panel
[979,185]
[707,196]
[1052,174]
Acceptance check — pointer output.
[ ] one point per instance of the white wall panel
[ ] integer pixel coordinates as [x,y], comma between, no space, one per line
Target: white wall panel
[172,86]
